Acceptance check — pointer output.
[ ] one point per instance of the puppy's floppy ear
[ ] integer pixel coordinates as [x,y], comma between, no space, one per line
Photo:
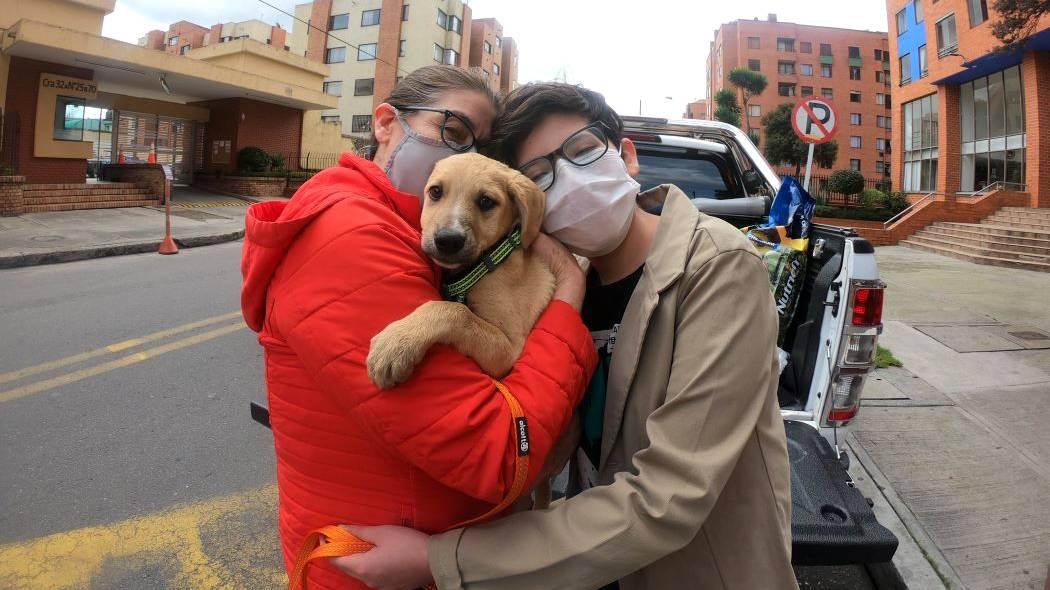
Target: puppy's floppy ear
[531,204]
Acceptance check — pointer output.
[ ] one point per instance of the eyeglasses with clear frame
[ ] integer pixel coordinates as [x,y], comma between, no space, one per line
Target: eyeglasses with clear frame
[456,132]
[584,147]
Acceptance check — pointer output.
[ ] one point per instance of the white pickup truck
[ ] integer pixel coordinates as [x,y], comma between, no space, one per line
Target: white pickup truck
[831,341]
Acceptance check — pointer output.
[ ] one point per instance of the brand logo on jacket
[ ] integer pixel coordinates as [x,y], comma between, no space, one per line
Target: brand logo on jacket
[523,436]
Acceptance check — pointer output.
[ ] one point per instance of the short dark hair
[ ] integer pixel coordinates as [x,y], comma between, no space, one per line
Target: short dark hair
[527,105]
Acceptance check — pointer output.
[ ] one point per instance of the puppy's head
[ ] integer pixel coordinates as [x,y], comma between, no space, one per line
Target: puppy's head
[471,203]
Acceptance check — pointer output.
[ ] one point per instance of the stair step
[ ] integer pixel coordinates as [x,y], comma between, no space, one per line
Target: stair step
[981,251]
[1025,225]
[1005,215]
[993,242]
[78,206]
[108,196]
[1028,211]
[998,230]
[80,185]
[57,199]
[977,258]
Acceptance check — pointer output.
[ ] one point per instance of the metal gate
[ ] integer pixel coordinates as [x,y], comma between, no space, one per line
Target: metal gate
[170,137]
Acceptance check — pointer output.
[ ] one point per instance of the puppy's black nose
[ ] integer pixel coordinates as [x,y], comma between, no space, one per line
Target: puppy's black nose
[449,242]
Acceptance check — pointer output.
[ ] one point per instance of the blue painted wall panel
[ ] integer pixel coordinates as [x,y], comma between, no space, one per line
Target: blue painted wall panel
[913,37]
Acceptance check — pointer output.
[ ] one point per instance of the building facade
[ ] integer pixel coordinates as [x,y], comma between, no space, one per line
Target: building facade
[509,68]
[848,67]
[968,115]
[371,44]
[486,49]
[697,110]
[184,36]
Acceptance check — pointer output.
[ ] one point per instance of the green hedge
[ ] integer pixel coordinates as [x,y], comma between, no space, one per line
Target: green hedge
[861,213]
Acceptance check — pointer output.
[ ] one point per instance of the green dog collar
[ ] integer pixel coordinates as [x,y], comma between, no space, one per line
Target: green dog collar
[457,290]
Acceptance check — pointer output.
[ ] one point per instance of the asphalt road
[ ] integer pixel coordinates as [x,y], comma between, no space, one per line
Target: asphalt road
[127,456]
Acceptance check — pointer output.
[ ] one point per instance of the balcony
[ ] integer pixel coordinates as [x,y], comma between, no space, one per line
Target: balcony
[856,62]
[827,59]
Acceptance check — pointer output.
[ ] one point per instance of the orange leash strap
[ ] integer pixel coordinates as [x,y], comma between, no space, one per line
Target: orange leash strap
[340,542]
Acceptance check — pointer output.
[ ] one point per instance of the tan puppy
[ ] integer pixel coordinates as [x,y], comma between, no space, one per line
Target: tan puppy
[471,204]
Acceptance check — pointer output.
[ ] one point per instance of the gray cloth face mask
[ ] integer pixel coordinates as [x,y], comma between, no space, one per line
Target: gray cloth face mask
[413,160]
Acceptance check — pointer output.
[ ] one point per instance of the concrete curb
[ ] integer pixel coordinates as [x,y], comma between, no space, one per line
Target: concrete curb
[918,549]
[38,258]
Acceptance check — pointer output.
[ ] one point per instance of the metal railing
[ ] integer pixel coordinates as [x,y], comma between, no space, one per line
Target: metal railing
[905,211]
[824,196]
[1001,185]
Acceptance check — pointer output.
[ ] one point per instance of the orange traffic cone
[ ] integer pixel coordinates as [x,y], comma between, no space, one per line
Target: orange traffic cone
[152,159]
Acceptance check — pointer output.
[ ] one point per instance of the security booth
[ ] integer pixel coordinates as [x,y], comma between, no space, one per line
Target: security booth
[76,105]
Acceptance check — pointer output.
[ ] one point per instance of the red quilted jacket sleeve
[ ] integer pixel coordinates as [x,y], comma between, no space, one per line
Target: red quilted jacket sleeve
[448,419]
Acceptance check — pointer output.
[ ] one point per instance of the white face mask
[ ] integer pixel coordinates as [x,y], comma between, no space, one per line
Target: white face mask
[413,160]
[589,208]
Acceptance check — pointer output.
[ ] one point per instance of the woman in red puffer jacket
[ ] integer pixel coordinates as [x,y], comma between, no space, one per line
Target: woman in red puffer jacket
[327,271]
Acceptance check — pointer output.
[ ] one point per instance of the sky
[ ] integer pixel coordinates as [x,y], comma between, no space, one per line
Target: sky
[641,53]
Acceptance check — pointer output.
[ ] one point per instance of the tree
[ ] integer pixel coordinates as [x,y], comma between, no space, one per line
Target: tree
[751,84]
[1018,19]
[846,182]
[784,147]
[728,110]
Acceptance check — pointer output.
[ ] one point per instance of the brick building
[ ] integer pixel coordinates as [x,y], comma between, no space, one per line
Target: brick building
[509,68]
[184,36]
[967,116]
[486,49]
[370,44]
[77,106]
[849,67]
[697,110]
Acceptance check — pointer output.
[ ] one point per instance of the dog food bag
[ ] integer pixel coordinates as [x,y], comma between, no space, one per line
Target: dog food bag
[783,242]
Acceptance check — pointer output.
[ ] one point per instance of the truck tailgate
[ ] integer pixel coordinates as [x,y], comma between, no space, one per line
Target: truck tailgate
[831,522]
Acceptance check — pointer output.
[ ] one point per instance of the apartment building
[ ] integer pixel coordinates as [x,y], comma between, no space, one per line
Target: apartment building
[184,36]
[509,68]
[486,49]
[696,110]
[848,67]
[968,115]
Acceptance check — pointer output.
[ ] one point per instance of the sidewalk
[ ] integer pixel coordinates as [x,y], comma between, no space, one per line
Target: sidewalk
[960,437]
[198,218]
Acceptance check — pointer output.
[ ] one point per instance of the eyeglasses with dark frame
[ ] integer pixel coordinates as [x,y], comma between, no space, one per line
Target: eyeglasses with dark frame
[584,147]
[459,136]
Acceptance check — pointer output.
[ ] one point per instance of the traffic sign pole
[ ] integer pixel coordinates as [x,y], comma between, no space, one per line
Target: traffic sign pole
[809,166]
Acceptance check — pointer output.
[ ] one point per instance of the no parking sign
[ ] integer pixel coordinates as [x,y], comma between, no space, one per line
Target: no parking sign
[814,120]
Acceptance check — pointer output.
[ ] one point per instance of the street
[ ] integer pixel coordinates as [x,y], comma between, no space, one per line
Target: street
[129,458]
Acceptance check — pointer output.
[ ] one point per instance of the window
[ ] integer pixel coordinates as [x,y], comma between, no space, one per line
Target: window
[754,65]
[807,91]
[495,69]
[69,118]
[825,70]
[439,53]
[854,141]
[902,21]
[854,73]
[923,70]
[364,86]
[854,52]
[330,119]
[442,20]
[404,12]
[880,144]
[993,130]
[754,43]
[784,44]
[827,93]
[947,42]
[785,89]
[805,47]
[451,57]
[878,54]
[366,52]
[335,55]
[807,69]
[338,21]
[754,110]
[786,68]
[488,47]
[905,63]
[880,98]
[916,6]
[499,42]
[880,76]
[401,49]
[920,145]
[854,96]
[978,11]
[825,49]
[184,50]
[881,168]
[854,164]
[370,18]
[333,88]
[854,119]
[173,41]
[361,124]
[455,24]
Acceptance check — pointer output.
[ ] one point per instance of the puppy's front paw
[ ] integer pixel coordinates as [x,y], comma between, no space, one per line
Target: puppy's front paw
[393,356]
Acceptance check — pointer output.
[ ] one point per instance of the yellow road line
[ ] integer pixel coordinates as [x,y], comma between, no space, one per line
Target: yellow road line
[117,347]
[138,357]
[206,545]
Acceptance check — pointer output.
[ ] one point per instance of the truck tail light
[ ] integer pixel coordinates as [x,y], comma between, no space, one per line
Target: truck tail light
[860,349]
[867,306]
[845,398]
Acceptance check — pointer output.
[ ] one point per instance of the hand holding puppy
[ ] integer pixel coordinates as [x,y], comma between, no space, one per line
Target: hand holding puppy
[570,282]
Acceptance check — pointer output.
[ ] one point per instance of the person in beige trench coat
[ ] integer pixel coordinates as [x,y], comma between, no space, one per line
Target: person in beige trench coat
[691,487]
